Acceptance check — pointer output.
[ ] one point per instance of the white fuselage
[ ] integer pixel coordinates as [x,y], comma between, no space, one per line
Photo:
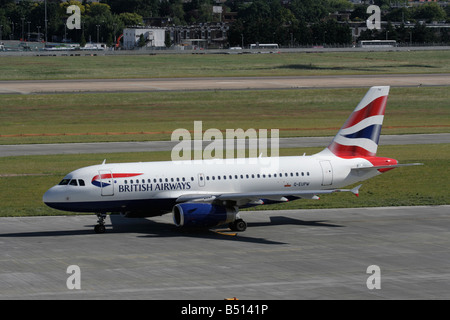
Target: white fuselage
[151,188]
[207,193]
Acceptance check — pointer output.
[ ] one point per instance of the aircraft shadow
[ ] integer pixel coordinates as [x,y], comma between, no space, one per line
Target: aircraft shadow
[280,220]
[151,229]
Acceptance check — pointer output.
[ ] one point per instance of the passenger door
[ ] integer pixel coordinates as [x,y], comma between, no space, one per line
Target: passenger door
[106,182]
[327,173]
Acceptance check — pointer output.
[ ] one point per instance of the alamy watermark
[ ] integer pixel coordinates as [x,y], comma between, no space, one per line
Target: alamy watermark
[212,146]
[74,280]
[374,280]
[374,21]
[74,21]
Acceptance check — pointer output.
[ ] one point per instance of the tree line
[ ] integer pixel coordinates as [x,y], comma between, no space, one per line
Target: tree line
[299,22]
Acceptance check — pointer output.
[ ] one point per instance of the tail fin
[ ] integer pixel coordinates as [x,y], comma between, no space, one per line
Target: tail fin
[359,136]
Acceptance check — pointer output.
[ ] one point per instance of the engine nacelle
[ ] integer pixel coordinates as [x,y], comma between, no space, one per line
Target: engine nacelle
[202,215]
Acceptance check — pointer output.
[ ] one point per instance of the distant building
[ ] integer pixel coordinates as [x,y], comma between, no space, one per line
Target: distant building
[154,37]
[203,35]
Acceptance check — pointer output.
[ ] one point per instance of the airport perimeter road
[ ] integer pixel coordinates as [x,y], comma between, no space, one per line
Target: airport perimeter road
[151,146]
[232,83]
[290,254]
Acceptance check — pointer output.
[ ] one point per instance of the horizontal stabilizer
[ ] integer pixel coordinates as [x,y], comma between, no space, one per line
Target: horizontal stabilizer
[355,190]
[387,166]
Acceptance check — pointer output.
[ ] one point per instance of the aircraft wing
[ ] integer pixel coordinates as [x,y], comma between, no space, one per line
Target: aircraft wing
[202,198]
[259,197]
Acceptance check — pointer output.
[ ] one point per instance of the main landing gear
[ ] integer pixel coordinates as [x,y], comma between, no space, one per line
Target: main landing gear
[100,227]
[238,225]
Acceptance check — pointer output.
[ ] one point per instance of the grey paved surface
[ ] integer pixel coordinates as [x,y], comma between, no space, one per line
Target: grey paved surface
[311,254]
[111,147]
[228,83]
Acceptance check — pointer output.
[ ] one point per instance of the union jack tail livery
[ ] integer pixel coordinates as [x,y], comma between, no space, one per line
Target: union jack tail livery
[359,136]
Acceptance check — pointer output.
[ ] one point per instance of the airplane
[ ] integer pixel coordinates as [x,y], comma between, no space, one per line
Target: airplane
[209,193]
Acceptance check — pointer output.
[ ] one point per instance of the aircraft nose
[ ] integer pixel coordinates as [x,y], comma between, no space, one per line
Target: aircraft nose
[48,196]
[53,196]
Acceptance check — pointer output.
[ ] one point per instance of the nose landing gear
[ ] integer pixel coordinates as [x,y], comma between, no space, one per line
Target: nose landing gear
[100,227]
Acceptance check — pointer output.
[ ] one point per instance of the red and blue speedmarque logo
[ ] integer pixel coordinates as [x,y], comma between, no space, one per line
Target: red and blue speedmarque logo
[100,180]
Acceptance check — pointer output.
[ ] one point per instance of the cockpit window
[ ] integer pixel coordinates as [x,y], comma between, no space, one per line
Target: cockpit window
[72,182]
[64,182]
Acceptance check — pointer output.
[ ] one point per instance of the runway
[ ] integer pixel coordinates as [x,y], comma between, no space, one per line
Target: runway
[228,83]
[291,254]
[152,146]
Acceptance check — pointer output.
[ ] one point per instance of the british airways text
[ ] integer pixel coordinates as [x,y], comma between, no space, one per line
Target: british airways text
[167,186]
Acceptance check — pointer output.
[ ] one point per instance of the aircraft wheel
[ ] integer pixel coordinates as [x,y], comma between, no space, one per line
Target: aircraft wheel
[238,225]
[99,228]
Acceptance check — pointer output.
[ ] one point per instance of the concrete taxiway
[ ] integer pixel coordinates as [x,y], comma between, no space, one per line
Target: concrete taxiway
[229,83]
[151,146]
[293,254]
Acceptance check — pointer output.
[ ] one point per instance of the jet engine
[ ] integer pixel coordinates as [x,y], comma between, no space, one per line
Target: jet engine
[202,215]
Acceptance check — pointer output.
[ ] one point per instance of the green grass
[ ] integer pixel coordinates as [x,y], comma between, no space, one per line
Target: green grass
[77,117]
[23,180]
[186,65]
[66,117]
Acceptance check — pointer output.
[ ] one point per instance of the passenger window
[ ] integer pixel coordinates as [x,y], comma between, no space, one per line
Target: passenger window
[81,183]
